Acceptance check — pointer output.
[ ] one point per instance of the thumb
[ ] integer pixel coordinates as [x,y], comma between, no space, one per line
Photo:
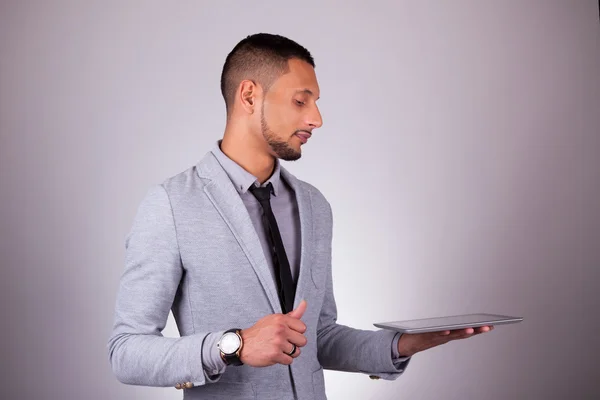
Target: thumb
[298,312]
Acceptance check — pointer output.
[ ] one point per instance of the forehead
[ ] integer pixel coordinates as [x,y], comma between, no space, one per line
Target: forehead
[301,76]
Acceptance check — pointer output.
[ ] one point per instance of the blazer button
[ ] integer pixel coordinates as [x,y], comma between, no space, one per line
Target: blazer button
[374,377]
[189,385]
[178,386]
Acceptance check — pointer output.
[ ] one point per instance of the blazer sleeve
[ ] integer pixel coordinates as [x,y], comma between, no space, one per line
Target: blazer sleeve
[343,348]
[138,352]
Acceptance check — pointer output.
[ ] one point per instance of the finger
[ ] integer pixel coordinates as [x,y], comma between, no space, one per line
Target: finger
[460,334]
[296,338]
[284,359]
[298,312]
[295,324]
[484,329]
[292,350]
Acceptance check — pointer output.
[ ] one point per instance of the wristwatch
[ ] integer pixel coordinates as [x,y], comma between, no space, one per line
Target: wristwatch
[230,345]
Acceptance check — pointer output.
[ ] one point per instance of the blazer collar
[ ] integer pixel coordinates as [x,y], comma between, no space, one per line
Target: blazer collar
[242,180]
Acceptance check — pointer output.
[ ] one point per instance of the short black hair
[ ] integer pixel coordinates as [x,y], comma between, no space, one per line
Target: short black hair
[262,58]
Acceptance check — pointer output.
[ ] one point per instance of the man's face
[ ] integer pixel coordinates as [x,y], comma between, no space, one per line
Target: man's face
[289,111]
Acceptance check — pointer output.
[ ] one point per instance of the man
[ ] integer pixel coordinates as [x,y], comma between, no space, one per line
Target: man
[240,250]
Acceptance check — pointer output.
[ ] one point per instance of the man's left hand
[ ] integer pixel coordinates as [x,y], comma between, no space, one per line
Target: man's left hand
[410,344]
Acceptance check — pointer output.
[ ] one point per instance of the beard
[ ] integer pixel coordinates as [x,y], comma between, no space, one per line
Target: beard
[282,149]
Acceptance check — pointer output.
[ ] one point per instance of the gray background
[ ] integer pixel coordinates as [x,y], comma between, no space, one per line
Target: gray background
[458,152]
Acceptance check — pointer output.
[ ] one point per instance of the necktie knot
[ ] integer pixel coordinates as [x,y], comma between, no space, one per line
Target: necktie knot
[262,193]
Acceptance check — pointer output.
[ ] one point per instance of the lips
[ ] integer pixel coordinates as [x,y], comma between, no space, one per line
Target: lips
[304,136]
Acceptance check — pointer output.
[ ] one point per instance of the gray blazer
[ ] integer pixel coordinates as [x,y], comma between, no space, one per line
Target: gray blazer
[194,250]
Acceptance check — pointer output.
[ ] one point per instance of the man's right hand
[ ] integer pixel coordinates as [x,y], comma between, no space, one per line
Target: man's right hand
[271,339]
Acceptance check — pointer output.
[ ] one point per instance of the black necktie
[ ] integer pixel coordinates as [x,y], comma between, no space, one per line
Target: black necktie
[283,274]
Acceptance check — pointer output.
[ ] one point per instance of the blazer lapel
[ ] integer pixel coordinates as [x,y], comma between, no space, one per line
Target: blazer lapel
[306,234]
[227,201]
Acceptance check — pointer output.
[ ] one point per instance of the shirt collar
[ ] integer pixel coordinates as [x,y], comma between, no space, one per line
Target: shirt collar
[242,179]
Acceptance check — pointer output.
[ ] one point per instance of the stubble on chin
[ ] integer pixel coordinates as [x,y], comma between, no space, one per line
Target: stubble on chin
[281,148]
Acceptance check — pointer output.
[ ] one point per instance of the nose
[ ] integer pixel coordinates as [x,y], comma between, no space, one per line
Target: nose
[314,119]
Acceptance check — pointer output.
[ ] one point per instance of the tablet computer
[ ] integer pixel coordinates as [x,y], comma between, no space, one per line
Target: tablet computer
[448,323]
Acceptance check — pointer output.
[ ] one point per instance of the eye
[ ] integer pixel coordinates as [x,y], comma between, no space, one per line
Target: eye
[300,103]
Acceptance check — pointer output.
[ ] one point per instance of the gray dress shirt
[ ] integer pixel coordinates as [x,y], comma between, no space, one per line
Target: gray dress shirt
[285,208]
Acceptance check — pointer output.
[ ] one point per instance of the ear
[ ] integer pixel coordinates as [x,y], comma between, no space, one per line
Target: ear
[248,93]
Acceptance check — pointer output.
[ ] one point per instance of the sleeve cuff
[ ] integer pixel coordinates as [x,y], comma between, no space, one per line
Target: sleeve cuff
[212,363]
[399,363]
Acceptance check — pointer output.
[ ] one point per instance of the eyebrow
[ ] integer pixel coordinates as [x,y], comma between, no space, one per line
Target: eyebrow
[307,91]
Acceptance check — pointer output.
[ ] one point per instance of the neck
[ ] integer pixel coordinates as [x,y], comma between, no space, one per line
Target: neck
[249,153]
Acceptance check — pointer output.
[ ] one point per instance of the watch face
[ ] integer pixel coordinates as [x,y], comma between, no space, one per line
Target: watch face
[230,343]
